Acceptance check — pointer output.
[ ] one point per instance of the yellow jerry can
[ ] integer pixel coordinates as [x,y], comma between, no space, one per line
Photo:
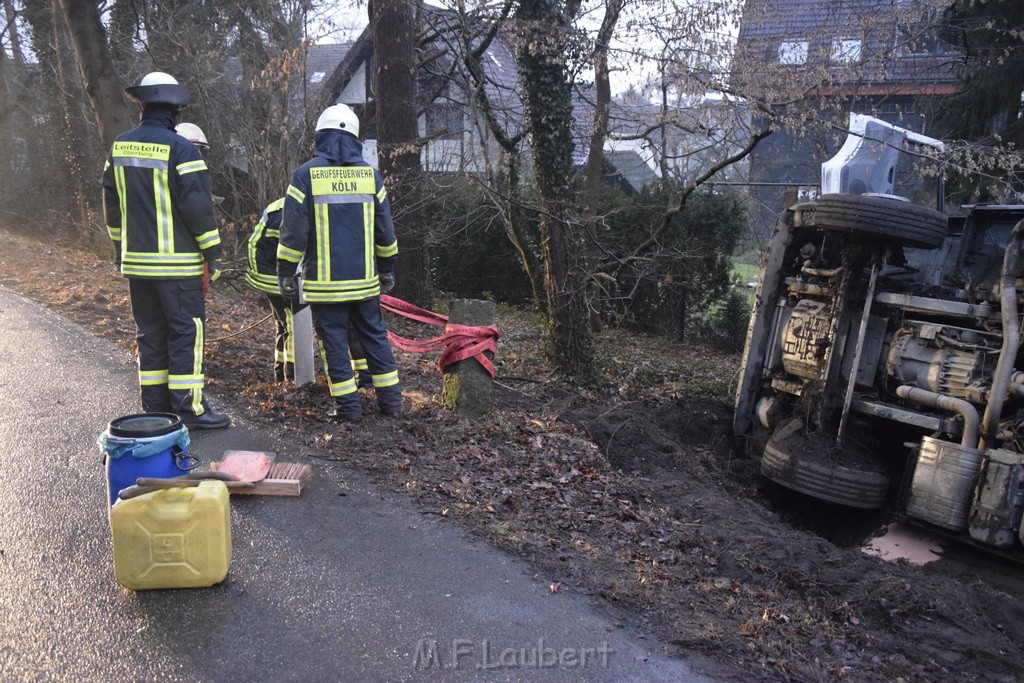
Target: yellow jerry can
[173,538]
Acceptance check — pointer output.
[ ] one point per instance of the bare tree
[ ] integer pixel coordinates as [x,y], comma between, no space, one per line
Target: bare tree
[102,82]
[544,28]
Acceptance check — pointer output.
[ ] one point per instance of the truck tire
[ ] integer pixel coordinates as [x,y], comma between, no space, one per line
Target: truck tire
[882,217]
[858,485]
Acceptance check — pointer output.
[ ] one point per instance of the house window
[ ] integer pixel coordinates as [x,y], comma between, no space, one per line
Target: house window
[317,76]
[444,121]
[846,51]
[793,52]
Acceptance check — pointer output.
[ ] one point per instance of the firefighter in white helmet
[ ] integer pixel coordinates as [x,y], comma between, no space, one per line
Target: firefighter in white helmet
[159,213]
[193,134]
[337,223]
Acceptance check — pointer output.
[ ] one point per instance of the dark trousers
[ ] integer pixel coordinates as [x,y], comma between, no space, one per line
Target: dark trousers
[284,309]
[170,320]
[284,339]
[335,324]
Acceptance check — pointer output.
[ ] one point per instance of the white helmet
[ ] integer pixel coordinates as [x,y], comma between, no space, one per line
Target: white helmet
[193,134]
[339,117]
[158,88]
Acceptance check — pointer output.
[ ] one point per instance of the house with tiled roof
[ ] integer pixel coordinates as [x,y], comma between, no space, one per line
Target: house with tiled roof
[454,134]
[876,57]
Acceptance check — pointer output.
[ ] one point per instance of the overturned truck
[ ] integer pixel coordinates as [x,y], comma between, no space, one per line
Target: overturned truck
[881,361]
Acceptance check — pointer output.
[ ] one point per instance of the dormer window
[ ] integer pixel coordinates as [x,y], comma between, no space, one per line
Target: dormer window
[793,52]
[846,51]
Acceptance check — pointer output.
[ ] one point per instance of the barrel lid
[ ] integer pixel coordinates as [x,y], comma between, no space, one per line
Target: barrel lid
[144,425]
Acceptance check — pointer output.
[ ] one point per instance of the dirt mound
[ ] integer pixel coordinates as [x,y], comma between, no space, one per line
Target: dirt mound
[642,435]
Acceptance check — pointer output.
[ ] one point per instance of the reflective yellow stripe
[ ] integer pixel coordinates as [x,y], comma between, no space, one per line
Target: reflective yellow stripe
[386,380]
[382,195]
[340,290]
[263,283]
[172,259]
[160,271]
[191,167]
[273,206]
[296,194]
[115,233]
[386,251]
[369,264]
[289,340]
[323,357]
[253,270]
[343,388]
[152,377]
[339,298]
[143,264]
[360,364]
[280,356]
[197,366]
[164,217]
[184,382]
[122,196]
[323,243]
[208,239]
[286,254]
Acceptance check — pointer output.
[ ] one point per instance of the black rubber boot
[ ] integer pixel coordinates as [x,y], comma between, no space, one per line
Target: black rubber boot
[339,413]
[207,420]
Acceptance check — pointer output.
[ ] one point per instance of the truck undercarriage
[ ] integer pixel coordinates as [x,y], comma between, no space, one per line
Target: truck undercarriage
[881,359]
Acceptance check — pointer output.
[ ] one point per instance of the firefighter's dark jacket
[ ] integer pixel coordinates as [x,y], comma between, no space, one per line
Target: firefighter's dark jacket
[157,201]
[261,272]
[337,221]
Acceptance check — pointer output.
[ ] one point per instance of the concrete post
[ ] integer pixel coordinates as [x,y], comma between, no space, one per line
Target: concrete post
[467,386]
[302,322]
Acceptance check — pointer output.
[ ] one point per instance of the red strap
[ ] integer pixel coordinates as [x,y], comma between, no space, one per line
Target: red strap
[459,341]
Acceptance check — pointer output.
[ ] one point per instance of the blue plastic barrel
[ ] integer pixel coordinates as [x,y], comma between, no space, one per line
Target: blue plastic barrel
[144,445]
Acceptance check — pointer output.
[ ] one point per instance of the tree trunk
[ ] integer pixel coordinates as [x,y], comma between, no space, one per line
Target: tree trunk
[101,81]
[18,110]
[515,226]
[544,31]
[75,134]
[7,169]
[394,88]
[592,173]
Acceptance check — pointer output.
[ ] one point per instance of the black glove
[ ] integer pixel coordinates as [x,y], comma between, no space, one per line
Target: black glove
[387,282]
[289,285]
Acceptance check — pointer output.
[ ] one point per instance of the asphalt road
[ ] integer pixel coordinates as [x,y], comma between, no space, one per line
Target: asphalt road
[344,583]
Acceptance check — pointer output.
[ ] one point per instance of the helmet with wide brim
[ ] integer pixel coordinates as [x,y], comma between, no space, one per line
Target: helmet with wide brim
[158,88]
[192,133]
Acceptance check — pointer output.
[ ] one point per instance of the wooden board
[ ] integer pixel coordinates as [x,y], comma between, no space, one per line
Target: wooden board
[272,487]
